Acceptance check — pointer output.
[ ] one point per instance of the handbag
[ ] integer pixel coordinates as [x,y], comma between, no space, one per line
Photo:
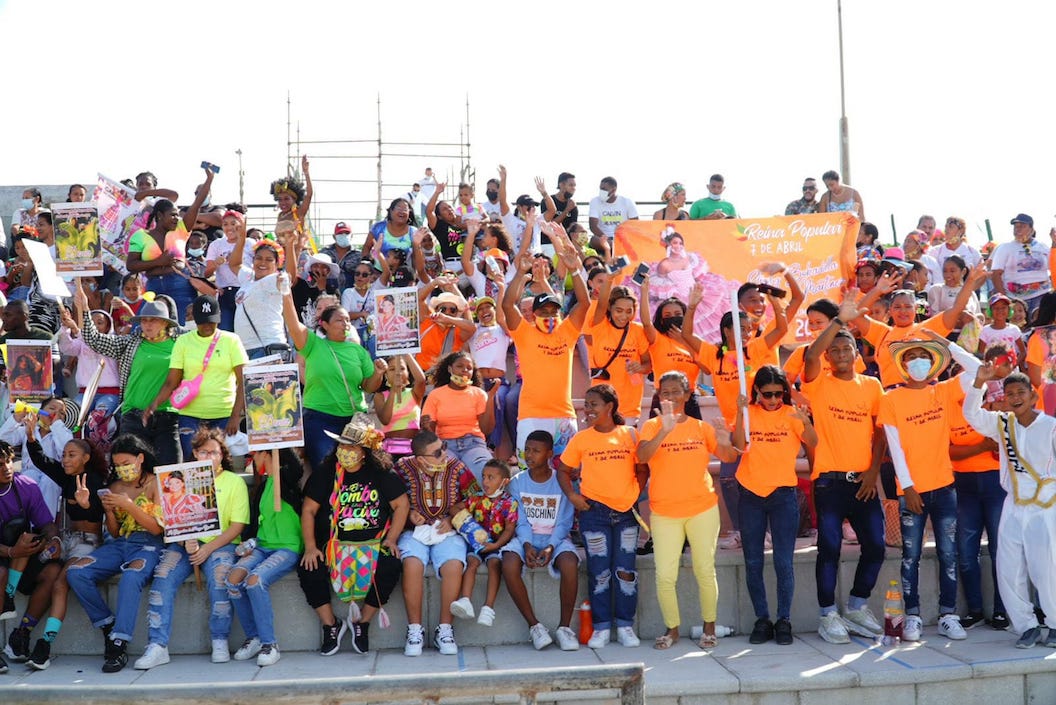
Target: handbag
[603,371]
[188,390]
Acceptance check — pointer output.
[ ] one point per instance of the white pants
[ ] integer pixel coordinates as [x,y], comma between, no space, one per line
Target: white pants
[1026,553]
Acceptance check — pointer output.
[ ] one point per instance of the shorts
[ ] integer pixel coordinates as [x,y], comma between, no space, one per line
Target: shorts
[28,582]
[78,544]
[453,548]
[486,558]
[517,546]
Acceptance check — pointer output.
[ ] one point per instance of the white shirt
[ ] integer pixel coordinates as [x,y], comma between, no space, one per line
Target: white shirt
[262,301]
[354,302]
[933,267]
[1017,267]
[492,209]
[1010,334]
[221,247]
[969,254]
[428,185]
[610,215]
[488,346]
[516,227]
[941,298]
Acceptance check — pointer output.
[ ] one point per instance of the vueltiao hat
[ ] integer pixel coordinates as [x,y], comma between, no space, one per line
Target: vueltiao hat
[940,356]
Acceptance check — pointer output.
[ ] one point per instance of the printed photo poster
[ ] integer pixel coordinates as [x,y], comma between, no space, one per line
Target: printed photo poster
[188,500]
[29,370]
[720,255]
[1045,337]
[120,215]
[77,249]
[396,324]
[273,406]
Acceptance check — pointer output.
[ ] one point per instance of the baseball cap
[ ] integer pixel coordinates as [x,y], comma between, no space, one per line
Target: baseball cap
[526,200]
[206,309]
[1022,218]
[342,229]
[999,297]
[544,299]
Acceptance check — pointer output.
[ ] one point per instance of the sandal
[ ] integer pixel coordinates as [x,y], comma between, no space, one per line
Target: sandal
[708,641]
[664,641]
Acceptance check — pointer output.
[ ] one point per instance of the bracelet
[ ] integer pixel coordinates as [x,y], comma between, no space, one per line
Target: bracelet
[578,273]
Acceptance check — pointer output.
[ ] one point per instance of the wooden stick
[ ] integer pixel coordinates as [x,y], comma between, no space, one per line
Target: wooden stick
[276,485]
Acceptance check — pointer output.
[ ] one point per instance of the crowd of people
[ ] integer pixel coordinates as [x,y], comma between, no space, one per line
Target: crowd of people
[915,393]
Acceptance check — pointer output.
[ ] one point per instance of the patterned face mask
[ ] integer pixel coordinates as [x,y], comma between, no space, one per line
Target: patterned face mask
[547,325]
[127,473]
[349,457]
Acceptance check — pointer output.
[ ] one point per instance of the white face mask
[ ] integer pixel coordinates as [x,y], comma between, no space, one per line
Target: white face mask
[918,369]
[603,195]
[343,240]
[715,196]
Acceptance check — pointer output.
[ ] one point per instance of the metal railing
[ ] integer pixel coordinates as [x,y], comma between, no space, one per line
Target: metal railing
[628,679]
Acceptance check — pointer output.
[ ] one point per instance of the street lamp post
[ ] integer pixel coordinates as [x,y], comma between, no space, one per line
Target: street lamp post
[845,140]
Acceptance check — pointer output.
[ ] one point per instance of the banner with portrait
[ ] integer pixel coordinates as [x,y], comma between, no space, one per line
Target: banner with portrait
[77,249]
[720,255]
[30,374]
[396,324]
[273,406]
[188,500]
[120,215]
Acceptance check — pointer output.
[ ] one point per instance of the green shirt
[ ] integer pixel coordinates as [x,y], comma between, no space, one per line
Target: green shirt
[282,530]
[150,367]
[324,387]
[703,207]
[232,500]
[216,397]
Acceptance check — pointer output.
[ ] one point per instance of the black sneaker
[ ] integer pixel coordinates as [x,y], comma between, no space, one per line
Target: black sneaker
[646,549]
[762,632]
[783,632]
[17,648]
[999,621]
[359,637]
[9,611]
[3,665]
[41,656]
[972,619]
[332,635]
[116,657]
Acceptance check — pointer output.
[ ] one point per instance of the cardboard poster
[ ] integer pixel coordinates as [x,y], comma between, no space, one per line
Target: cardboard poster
[30,375]
[119,214]
[188,500]
[77,249]
[396,325]
[273,406]
[51,284]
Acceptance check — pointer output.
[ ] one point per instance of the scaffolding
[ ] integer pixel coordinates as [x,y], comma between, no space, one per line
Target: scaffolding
[361,211]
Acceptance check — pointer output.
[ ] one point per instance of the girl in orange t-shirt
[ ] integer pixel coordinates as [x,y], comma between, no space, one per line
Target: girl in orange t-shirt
[610,482]
[767,484]
[460,412]
[616,336]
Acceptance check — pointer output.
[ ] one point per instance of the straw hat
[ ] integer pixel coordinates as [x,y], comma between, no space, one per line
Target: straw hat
[940,356]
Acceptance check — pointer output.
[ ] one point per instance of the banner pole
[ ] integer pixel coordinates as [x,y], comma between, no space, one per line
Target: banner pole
[742,379]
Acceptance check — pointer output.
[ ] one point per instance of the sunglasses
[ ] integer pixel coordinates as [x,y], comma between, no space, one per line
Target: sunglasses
[362,274]
[439,453]
[449,310]
[809,188]
[771,395]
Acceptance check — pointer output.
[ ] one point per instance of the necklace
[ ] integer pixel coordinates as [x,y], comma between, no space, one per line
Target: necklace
[9,486]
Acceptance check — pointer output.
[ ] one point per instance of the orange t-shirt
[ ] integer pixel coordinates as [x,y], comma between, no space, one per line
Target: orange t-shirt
[606,462]
[604,339]
[456,411]
[546,370]
[769,461]
[724,375]
[962,434]
[797,362]
[881,334]
[923,422]
[432,343]
[679,482]
[845,419]
[667,355]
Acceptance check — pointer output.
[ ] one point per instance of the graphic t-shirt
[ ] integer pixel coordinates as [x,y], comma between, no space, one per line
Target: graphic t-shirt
[544,514]
[666,354]
[679,481]
[770,459]
[845,418]
[610,215]
[1010,334]
[1024,267]
[488,346]
[546,368]
[362,501]
[606,462]
[923,420]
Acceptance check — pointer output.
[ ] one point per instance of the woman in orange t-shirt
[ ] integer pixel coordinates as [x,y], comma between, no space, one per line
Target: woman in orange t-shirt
[610,482]
[670,348]
[767,480]
[616,336]
[460,412]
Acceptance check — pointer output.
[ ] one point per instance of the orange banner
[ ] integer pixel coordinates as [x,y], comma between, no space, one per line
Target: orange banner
[720,255]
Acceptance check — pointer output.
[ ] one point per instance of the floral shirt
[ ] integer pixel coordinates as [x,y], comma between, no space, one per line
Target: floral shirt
[494,514]
[127,524]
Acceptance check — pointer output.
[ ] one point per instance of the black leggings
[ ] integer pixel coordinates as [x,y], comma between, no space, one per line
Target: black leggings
[315,584]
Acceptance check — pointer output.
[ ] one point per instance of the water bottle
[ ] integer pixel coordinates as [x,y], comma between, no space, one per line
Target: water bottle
[894,614]
[721,630]
[246,547]
[493,266]
[586,622]
[52,551]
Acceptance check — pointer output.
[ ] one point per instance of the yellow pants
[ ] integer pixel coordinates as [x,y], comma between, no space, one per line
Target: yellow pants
[669,535]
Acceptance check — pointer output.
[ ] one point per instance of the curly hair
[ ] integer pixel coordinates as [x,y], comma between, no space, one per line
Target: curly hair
[205,435]
[443,369]
[128,444]
[289,183]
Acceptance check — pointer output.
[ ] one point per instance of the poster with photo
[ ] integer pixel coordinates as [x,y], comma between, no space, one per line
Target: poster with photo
[396,324]
[120,214]
[1045,338]
[77,248]
[30,375]
[273,406]
[188,500]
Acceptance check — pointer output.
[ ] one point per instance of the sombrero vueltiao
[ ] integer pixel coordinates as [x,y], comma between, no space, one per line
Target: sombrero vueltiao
[940,356]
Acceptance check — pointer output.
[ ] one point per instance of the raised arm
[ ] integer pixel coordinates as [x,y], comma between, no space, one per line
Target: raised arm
[812,356]
[298,331]
[302,210]
[191,216]
[430,208]
[644,312]
[976,276]
[774,336]
[504,205]
[468,247]
[511,301]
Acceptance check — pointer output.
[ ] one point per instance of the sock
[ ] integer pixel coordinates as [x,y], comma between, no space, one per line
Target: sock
[13,576]
[828,610]
[28,622]
[856,603]
[51,629]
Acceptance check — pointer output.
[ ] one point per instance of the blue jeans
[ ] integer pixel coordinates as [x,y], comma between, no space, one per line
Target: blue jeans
[779,510]
[472,451]
[495,438]
[162,434]
[178,288]
[835,501]
[941,506]
[189,426]
[979,501]
[318,445]
[134,557]
[252,602]
[731,491]
[169,574]
[610,538]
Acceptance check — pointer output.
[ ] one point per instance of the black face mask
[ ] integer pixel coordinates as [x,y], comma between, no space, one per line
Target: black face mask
[492,195]
[666,324]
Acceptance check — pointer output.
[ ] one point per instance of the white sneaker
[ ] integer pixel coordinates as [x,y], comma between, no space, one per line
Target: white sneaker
[863,623]
[444,640]
[627,637]
[567,639]
[540,636]
[730,541]
[598,639]
[487,616]
[249,649]
[463,608]
[155,655]
[221,654]
[950,627]
[415,639]
[269,655]
[832,630]
[911,627]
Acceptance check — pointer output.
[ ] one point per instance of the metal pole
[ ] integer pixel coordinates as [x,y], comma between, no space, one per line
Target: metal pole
[377,213]
[845,139]
[241,178]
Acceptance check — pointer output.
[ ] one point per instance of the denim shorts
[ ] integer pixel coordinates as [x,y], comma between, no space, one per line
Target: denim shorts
[451,548]
[517,546]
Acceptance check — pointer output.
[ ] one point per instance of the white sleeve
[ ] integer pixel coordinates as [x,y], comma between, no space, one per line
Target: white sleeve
[13,432]
[969,362]
[595,208]
[983,421]
[898,457]
[632,209]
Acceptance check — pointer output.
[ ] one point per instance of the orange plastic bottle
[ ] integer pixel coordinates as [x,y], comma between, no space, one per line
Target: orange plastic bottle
[586,623]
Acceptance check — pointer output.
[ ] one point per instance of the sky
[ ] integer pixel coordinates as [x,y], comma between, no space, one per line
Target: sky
[948,101]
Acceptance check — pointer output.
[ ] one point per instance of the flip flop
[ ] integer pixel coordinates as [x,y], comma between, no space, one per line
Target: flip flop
[664,641]
[708,641]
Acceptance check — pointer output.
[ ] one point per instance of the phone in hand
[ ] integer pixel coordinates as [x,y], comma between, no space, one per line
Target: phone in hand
[640,274]
[768,290]
[211,167]
[618,264]
[102,492]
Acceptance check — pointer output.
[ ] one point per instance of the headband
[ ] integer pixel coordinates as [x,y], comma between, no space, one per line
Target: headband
[240,217]
[280,254]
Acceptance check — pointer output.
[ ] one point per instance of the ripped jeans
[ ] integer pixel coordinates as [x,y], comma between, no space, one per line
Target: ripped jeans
[249,595]
[134,557]
[941,506]
[172,570]
[610,538]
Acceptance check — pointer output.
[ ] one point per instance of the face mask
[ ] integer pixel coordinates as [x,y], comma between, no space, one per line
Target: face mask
[492,195]
[196,252]
[670,322]
[343,240]
[28,203]
[90,286]
[715,196]
[918,369]
[348,457]
[127,473]
[497,492]
[603,195]
[461,380]
[547,325]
